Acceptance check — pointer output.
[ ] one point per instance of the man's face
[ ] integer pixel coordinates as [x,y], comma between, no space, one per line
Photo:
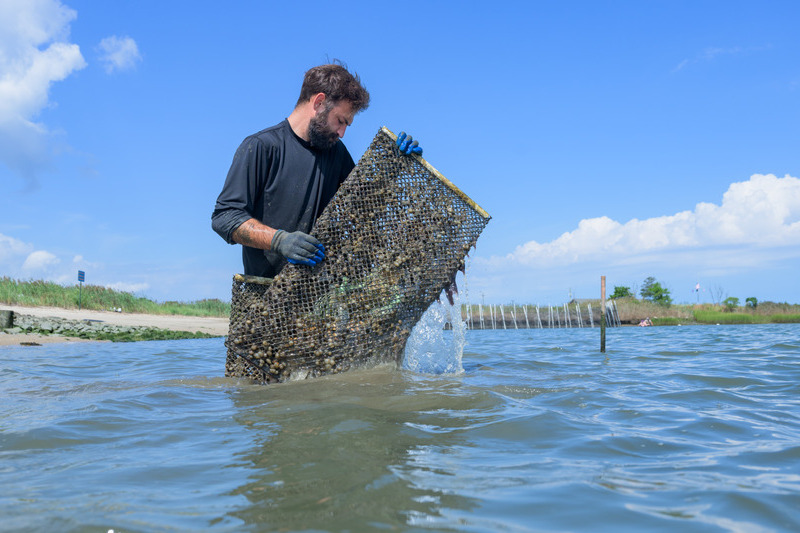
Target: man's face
[329,124]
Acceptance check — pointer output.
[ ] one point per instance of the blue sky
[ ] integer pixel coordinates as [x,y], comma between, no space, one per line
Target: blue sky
[625,139]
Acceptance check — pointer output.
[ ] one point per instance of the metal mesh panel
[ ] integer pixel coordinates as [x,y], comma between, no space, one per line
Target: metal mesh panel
[246,296]
[395,235]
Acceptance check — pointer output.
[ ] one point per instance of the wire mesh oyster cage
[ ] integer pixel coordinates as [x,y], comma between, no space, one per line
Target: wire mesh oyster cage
[395,235]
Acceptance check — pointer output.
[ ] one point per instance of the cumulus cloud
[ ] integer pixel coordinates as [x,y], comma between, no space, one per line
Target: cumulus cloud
[23,260]
[12,249]
[763,212]
[119,53]
[82,263]
[34,53]
[748,240]
[39,261]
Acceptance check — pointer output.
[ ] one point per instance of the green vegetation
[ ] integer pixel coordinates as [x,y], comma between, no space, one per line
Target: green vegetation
[143,334]
[632,310]
[38,293]
[654,292]
[704,316]
[667,321]
[720,317]
[730,303]
[656,304]
[621,292]
[132,335]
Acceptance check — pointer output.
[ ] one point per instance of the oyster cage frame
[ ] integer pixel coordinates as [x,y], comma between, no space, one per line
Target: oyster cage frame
[395,235]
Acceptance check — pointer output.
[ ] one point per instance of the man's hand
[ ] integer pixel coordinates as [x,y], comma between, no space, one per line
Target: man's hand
[298,248]
[404,142]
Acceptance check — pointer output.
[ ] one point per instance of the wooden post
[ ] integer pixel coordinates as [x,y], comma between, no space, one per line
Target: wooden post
[602,314]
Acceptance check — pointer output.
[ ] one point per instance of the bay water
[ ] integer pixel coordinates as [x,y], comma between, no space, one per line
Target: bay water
[693,428]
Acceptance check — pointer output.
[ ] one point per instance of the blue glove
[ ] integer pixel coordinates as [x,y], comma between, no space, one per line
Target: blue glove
[404,142]
[298,248]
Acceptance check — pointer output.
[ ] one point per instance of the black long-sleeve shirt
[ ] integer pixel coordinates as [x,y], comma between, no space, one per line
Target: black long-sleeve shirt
[278,178]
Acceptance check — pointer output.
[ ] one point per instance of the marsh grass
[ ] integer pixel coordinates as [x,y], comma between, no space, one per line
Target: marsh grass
[669,321]
[37,293]
[721,317]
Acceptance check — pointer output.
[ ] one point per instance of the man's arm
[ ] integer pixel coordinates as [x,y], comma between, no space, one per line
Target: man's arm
[297,247]
[254,234]
[242,187]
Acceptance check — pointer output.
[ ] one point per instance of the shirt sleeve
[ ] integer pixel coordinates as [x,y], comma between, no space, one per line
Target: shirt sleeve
[348,166]
[236,203]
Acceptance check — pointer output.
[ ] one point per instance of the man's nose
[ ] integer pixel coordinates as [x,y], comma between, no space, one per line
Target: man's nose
[341,131]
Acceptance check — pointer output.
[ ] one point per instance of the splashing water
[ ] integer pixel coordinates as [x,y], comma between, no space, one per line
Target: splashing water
[432,350]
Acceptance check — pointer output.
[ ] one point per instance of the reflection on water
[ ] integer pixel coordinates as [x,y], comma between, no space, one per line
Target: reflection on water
[689,428]
[337,447]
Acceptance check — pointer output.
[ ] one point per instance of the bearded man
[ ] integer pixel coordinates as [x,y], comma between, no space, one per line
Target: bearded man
[282,177]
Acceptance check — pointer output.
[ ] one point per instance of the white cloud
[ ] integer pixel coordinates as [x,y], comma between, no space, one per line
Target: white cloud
[753,231]
[762,212]
[119,53]
[128,287]
[82,263]
[39,261]
[34,53]
[11,248]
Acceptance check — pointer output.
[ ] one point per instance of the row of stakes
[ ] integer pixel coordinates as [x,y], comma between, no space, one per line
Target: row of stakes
[562,316]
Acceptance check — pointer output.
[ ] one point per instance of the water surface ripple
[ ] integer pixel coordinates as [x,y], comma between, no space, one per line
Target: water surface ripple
[683,428]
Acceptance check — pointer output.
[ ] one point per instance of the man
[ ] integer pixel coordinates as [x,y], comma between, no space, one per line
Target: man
[282,177]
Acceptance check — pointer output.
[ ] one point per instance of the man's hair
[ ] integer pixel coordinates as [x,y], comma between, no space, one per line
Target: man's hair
[337,83]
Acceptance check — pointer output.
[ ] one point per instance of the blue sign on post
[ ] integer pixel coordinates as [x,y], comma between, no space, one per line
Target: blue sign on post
[81,278]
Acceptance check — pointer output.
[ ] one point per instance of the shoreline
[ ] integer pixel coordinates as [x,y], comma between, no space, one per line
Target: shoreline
[216,326]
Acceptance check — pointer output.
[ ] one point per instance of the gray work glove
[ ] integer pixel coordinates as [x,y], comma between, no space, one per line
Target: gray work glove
[298,248]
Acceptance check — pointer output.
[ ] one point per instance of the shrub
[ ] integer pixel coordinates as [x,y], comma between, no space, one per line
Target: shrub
[654,292]
[730,303]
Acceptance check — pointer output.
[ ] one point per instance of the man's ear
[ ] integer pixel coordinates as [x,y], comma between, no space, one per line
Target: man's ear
[317,100]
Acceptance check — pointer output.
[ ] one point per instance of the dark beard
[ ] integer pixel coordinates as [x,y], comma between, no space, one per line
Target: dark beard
[319,136]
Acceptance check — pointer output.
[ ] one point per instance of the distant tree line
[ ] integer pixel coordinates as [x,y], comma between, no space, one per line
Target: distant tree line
[653,291]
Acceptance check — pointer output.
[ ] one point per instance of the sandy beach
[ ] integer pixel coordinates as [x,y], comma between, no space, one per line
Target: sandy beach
[210,325]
